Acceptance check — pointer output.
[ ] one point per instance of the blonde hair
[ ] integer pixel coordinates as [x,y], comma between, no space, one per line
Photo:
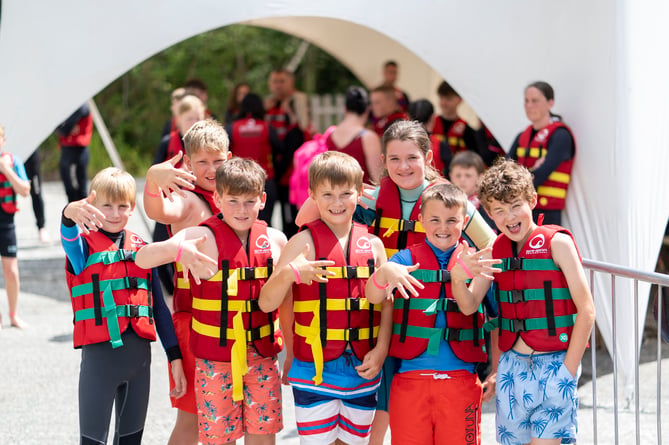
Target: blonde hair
[207,135]
[450,195]
[189,102]
[114,184]
[506,181]
[412,131]
[239,176]
[335,167]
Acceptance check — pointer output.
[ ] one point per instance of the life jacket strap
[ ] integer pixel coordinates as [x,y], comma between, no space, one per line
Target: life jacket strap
[523,295]
[113,284]
[531,324]
[435,335]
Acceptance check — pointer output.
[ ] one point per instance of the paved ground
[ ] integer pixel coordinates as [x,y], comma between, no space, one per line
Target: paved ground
[39,368]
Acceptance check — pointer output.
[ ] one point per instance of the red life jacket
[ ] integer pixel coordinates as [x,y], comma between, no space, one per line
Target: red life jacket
[382,124]
[110,292]
[8,201]
[454,135]
[437,162]
[414,318]
[175,146]
[395,232]
[250,139]
[532,292]
[81,134]
[330,316]
[182,300]
[231,296]
[552,194]
[278,118]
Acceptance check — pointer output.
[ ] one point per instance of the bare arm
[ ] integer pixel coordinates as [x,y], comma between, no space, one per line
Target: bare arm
[20,186]
[286,318]
[566,258]
[166,178]
[371,146]
[480,266]
[308,212]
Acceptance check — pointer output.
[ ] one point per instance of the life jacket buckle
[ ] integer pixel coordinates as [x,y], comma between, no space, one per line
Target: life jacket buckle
[517,325]
[352,334]
[517,296]
[515,263]
[443,276]
[351,272]
[247,273]
[352,304]
[251,306]
[133,311]
[253,334]
[451,334]
[131,283]
[406,225]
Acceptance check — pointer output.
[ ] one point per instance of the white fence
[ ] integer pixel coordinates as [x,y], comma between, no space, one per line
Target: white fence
[326,110]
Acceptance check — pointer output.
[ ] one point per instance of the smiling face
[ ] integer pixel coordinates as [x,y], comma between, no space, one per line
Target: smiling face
[405,163]
[449,106]
[443,225]
[537,107]
[337,203]
[513,218]
[116,213]
[240,211]
[203,164]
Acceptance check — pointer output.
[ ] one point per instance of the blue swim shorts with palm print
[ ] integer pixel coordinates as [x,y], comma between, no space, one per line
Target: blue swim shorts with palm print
[536,397]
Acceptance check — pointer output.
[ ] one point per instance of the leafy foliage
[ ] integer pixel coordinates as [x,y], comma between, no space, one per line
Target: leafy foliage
[136,105]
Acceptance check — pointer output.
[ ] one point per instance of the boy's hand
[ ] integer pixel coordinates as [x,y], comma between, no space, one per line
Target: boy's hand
[366,188]
[489,386]
[88,217]
[371,364]
[473,264]
[169,179]
[194,261]
[310,271]
[398,277]
[179,389]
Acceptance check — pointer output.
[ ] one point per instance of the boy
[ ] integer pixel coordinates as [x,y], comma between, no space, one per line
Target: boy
[437,334]
[188,111]
[339,340]
[237,381]
[465,171]
[546,314]
[13,181]
[180,199]
[385,109]
[117,309]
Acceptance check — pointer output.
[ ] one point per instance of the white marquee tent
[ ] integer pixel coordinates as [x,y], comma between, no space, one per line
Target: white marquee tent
[604,58]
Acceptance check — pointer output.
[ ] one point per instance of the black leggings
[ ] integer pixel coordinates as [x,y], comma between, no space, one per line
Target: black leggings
[32,165]
[120,377]
[74,158]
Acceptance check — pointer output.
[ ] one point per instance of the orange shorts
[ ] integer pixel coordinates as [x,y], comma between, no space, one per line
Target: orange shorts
[220,419]
[435,407]
[182,321]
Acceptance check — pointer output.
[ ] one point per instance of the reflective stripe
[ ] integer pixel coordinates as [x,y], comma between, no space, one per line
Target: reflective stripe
[552,192]
[345,304]
[560,177]
[115,284]
[521,152]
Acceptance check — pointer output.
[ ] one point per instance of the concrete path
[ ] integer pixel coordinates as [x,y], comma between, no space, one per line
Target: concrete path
[39,368]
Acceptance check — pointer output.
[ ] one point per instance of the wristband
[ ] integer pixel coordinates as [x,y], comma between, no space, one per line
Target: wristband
[179,250]
[378,286]
[298,280]
[465,268]
[148,193]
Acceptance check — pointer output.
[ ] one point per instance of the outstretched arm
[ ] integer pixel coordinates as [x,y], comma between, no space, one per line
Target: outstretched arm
[165,178]
[477,266]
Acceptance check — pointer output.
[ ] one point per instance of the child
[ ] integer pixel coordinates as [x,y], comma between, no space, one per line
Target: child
[392,215]
[438,339]
[180,199]
[237,381]
[117,308]
[546,314]
[465,171]
[14,181]
[340,340]
[385,109]
[188,111]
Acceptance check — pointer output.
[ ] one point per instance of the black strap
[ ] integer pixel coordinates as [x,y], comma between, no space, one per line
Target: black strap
[370,265]
[97,305]
[476,328]
[377,222]
[323,310]
[402,238]
[223,329]
[270,266]
[150,294]
[550,310]
[405,320]
[270,316]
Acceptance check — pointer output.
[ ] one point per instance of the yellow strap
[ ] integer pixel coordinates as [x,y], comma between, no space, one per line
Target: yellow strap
[336,334]
[238,357]
[181,283]
[393,224]
[535,152]
[312,334]
[340,272]
[552,192]
[215,305]
[391,252]
[213,331]
[332,305]
[560,177]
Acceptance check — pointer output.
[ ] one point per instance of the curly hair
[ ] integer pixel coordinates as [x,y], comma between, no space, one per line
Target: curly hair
[505,181]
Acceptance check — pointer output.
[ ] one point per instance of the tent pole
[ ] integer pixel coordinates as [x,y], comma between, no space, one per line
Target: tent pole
[112,152]
[298,56]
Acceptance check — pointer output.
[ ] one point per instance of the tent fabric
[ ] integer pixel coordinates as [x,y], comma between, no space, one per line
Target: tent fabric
[601,57]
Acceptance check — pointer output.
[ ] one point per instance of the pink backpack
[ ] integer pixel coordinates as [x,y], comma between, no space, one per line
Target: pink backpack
[299,180]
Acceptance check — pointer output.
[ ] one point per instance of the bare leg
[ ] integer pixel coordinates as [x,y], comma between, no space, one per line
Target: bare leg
[259,439]
[185,429]
[10,269]
[379,427]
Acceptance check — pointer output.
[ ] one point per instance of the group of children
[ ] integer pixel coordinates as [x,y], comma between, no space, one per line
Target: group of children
[368,340]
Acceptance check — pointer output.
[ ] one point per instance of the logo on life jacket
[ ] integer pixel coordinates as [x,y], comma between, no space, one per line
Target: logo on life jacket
[458,128]
[541,136]
[262,243]
[363,245]
[537,242]
[136,240]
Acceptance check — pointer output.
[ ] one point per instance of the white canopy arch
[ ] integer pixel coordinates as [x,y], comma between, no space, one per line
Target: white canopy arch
[601,57]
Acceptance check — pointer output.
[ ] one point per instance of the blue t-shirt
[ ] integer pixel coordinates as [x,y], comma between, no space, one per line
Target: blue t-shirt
[445,360]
